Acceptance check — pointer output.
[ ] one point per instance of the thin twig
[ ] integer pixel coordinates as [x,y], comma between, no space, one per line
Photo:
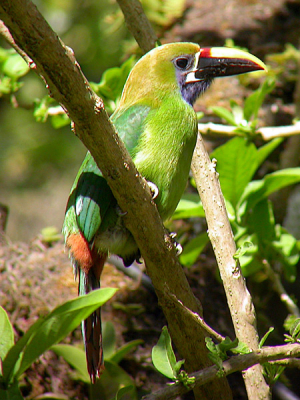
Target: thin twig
[267,133]
[138,24]
[279,288]
[234,364]
[197,318]
[288,362]
[284,393]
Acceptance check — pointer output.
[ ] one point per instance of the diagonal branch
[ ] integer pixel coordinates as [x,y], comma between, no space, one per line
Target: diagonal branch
[138,24]
[244,318]
[234,364]
[57,65]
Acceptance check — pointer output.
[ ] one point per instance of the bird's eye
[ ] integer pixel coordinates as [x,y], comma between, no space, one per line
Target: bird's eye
[182,63]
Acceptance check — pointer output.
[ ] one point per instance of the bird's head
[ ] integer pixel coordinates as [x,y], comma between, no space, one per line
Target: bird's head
[184,68]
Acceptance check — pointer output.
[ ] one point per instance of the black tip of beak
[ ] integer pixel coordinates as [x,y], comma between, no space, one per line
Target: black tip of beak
[222,61]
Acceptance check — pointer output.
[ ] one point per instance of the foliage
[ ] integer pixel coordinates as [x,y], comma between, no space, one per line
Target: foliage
[218,352]
[114,379]
[292,324]
[250,211]
[245,118]
[164,360]
[44,333]
[12,68]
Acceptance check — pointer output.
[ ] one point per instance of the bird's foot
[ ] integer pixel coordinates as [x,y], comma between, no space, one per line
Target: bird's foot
[177,245]
[119,212]
[153,189]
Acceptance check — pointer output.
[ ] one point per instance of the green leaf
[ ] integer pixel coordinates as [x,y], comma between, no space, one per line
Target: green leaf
[50,330]
[265,337]
[236,164]
[259,190]
[186,380]
[11,393]
[109,339]
[243,250]
[227,344]
[225,114]
[254,101]
[6,85]
[249,261]
[163,356]
[125,393]
[75,357]
[250,265]
[15,66]
[50,234]
[264,151]
[124,350]
[214,353]
[6,334]
[60,120]
[113,81]
[190,206]
[112,380]
[262,222]
[178,367]
[286,251]
[238,113]
[290,321]
[193,248]
[240,348]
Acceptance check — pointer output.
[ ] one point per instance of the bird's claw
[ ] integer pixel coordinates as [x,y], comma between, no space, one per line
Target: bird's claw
[119,212]
[153,189]
[177,245]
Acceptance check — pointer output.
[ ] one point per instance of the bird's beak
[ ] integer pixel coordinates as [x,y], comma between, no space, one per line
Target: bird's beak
[212,62]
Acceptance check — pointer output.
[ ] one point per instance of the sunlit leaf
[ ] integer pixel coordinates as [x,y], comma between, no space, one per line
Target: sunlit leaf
[75,357]
[236,164]
[122,351]
[15,66]
[6,334]
[225,114]
[254,101]
[258,190]
[163,356]
[190,206]
[50,330]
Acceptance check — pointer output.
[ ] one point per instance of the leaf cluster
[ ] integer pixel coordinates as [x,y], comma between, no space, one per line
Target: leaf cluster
[164,360]
[44,333]
[114,379]
[250,211]
[12,68]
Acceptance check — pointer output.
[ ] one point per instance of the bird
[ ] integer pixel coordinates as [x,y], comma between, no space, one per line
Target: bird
[158,125]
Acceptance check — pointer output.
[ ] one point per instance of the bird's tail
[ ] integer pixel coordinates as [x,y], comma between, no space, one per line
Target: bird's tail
[91,327]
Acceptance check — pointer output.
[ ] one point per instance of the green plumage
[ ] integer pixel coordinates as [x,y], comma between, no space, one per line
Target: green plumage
[158,125]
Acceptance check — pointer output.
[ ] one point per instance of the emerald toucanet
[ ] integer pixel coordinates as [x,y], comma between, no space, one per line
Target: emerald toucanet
[156,121]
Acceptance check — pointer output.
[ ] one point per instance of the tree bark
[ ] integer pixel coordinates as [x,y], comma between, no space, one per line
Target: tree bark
[220,234]
[59,69]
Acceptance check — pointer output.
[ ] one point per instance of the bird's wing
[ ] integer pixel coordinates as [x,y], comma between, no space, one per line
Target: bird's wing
[130,124]
[88,202]
[91,197]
